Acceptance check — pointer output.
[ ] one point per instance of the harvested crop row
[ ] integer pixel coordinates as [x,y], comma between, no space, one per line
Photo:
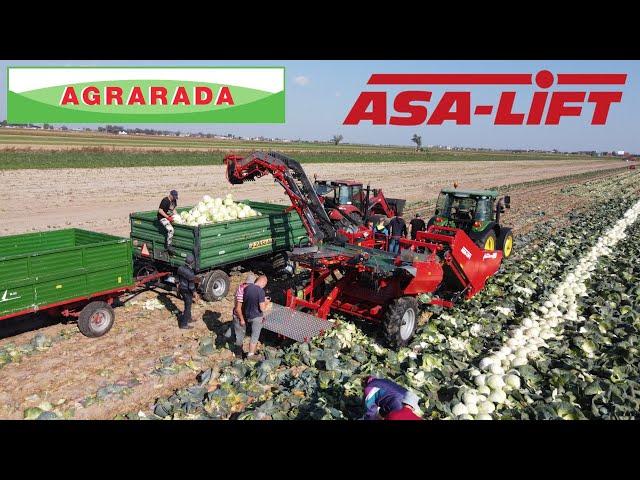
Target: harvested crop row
[592,371]
[504,367]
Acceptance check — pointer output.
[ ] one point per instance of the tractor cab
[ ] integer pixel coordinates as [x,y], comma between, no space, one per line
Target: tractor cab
[345,195]
[477,213]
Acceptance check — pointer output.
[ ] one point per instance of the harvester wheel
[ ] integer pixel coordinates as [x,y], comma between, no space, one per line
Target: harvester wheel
[215,286]
[487,241]
[505,242]
[96,319]
[400,321]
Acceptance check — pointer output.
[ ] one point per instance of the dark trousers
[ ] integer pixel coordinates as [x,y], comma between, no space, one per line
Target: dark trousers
[185,318]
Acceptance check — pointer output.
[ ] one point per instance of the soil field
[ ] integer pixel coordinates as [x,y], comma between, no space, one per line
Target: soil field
[145,355]
[102,199]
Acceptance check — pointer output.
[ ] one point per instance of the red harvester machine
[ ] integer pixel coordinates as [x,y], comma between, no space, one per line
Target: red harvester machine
[345,275]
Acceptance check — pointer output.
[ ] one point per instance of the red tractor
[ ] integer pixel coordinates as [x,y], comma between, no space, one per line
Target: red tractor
[348,199]
[341,274]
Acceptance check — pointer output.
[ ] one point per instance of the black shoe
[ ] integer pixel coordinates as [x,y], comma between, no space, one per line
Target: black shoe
[238,353]
[186,327]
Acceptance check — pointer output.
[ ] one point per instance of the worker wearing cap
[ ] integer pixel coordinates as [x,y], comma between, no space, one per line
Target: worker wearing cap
[384,399]
[165,216]
[187,289]
[417,225]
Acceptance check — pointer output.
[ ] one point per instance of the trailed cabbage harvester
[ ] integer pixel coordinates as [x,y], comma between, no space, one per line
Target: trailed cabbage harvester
[344,274]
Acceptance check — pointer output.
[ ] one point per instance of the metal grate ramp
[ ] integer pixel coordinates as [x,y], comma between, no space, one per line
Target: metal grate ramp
[290,323]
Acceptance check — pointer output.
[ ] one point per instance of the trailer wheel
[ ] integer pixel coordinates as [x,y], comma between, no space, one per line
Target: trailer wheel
[96,319]
[215,286]
[400,321]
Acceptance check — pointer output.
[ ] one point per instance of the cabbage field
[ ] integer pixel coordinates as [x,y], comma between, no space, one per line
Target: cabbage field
[555,335]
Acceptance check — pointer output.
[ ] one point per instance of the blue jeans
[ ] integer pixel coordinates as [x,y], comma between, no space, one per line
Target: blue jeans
[394,245]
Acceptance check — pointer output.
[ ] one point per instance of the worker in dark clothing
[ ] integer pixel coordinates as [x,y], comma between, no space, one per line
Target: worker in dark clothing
[384,399]
[165,217]
[187,288]
[397,229]
[417,225]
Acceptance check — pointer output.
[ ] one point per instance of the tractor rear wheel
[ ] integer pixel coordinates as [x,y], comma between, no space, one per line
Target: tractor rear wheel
[505,242]
[400,321]
[487,241]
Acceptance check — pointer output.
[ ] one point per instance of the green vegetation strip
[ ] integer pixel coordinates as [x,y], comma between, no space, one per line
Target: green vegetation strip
[98,157]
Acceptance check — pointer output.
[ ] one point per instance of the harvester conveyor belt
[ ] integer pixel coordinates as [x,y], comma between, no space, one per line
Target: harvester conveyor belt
[299,326]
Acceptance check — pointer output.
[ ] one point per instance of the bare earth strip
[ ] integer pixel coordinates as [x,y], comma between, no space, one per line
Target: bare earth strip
[101,199]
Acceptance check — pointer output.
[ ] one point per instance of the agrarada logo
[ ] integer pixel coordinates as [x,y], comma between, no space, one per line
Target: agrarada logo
[146,95]
[417,107]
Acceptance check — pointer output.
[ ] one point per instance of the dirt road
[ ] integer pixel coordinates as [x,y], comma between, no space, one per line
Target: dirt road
[101,199]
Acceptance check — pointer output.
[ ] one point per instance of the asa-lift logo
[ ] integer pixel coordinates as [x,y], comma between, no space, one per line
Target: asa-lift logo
[413,107]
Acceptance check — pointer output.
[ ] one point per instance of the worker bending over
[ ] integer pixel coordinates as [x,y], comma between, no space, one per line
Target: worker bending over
[386,400]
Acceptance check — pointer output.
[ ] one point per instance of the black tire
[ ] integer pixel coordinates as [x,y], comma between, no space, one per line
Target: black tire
[215,286]
[96,319]
[485,237]
[505,234]
[397,314]
[279,261]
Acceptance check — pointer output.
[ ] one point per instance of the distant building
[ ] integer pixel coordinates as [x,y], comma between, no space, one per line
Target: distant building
[620,153]
[122,132]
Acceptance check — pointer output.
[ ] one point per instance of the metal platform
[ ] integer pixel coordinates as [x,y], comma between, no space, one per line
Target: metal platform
[293,324]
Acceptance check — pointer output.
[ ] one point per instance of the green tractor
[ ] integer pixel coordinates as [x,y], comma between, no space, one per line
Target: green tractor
[477,213]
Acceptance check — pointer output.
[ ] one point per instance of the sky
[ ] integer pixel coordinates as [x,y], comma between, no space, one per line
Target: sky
[319,94]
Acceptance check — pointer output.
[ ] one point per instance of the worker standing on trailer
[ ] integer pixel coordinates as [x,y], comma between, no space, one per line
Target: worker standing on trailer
[417,225]
[187,289]
[386,400]
[254,306]
[239,321]
[397,229]
[165,216]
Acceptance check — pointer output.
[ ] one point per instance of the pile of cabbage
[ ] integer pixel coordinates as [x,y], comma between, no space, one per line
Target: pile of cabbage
[215,210]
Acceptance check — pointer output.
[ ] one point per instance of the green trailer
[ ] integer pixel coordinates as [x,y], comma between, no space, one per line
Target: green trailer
[251,243]
[70,272]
